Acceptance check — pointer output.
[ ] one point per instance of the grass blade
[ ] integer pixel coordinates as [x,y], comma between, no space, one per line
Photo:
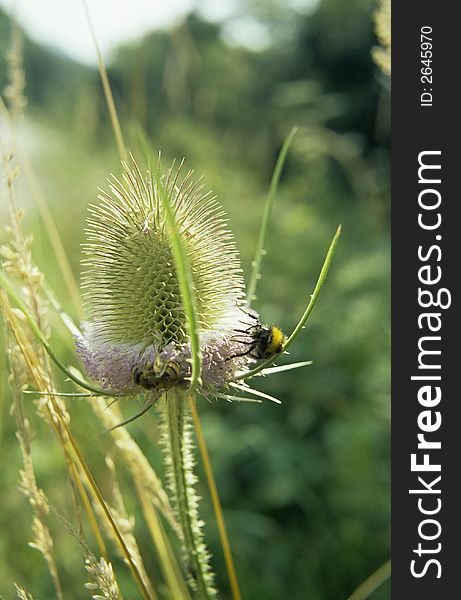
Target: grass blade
[73,456]
[318,286]
[93,487]
[48,221]
[372,583]
[168,563]
[57,394]
[107,91]
[315,294]
[184,275]
[41,338]
[256,264]
[65,318]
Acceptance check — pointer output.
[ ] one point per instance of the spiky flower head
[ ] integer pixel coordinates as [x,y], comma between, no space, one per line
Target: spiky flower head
[131,287]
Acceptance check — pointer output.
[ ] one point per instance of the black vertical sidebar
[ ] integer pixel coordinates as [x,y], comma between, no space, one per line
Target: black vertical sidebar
[426,524]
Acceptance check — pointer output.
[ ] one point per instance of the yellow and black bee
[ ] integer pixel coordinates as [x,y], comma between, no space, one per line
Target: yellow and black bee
[158,375]
[263,341]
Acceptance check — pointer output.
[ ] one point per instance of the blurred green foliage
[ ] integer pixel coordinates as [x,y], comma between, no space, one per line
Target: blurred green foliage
[305,485]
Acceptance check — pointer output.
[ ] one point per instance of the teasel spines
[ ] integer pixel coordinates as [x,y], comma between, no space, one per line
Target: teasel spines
[131,287]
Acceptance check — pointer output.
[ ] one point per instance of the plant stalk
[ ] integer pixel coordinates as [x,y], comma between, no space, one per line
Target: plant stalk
[182,480]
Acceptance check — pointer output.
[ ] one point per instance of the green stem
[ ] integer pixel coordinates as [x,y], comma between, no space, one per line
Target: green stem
[318,286]
[182,479]
[256,264]
[306,314]
[372,583]
[230,566]
[107,91]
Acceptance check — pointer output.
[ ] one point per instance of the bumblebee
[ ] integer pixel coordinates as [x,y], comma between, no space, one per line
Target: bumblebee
[158,375]
[268,341]
[263,341]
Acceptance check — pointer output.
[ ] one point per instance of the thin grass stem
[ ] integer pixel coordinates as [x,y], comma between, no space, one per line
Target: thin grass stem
[313,299]
[90,514]
[41,338]
[57,394]
[57,421]
[230,566]
[48,221]
[168,564]
[268,204]
[318,286]
[372,583]
[107,91]
[99,497]
[65,318]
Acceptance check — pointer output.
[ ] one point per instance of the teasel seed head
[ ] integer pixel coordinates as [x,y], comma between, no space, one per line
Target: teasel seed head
[131,287]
